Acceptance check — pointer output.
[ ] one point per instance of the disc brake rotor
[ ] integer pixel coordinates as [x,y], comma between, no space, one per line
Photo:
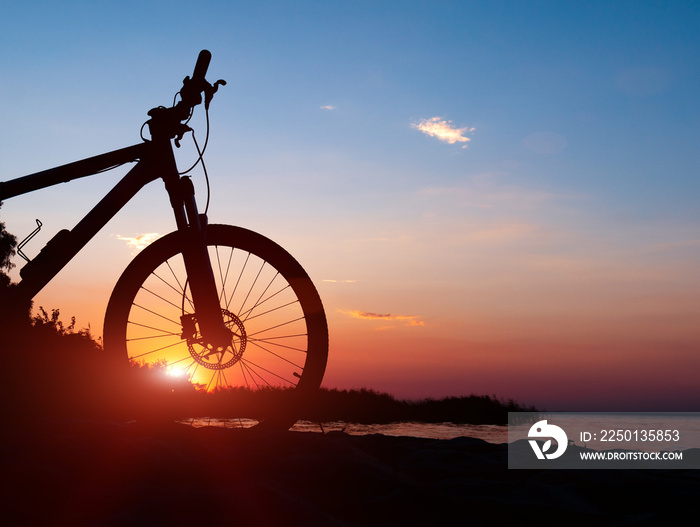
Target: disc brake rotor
[217,358]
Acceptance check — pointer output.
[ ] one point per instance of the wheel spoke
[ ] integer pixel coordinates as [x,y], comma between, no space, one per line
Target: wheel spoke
[256,367]
[160,297]
[278,356]
[277,326]
[150,337]
[177,323]
[223,277]
[270,341]
[163,331]
[246,315]
[240,276]
[252,286]
[181,288]
[155,350]
[258,301]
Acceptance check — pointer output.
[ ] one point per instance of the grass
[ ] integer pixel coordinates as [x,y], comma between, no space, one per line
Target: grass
[48,369]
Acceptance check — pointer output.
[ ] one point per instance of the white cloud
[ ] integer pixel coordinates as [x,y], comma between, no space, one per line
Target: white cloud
[328,107]
[139,242]
[443,130]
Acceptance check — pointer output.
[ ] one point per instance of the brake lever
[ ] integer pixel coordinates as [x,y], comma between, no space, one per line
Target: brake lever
[210,90]
[182,130]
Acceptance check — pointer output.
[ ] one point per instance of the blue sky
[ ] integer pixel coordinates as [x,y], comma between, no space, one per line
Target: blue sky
[570,218]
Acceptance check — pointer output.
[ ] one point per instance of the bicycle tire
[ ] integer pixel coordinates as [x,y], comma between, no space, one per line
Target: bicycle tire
[280,328]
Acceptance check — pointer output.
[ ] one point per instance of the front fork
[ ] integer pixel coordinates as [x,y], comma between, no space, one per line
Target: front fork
[205,297]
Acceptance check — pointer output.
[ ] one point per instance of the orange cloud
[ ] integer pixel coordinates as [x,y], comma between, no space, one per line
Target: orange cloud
[443,130]
[411,320]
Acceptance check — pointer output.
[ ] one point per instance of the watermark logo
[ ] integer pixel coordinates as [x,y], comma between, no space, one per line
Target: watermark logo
[605,440]
[541,429]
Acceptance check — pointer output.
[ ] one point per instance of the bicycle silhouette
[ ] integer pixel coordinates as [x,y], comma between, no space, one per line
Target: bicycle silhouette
[224,305]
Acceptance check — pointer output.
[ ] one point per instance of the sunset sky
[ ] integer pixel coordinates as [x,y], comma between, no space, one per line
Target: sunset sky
[493,197]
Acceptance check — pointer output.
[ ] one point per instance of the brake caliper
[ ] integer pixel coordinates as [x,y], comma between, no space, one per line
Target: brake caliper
[189,327]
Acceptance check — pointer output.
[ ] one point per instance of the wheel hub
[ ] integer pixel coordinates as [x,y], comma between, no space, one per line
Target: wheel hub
[216,357]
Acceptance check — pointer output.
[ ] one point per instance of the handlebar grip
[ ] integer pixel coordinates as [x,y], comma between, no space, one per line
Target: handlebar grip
[200,69]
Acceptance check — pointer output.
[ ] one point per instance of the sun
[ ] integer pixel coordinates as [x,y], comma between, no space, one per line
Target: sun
[176,371]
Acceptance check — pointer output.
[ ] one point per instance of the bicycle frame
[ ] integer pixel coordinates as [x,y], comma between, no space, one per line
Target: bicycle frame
[255,323]
[155,160]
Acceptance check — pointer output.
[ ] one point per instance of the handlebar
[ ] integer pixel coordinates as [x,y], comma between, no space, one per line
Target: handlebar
[169,121]
[192,89]
[200,69]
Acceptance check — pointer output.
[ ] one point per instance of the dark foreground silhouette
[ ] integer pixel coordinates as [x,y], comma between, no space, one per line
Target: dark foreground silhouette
[101,473]
[69,457]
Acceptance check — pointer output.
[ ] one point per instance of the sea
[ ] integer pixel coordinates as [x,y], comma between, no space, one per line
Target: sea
[634,424]
[496,434]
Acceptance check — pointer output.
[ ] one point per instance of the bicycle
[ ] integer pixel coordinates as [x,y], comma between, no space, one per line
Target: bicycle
[223,304]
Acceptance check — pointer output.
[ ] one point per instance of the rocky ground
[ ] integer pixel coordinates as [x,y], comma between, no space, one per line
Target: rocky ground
[98,473]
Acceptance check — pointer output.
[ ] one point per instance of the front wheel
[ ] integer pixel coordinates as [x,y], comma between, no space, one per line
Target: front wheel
[279,346]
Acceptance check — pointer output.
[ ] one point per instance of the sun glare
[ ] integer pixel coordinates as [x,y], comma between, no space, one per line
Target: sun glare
[175,371]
